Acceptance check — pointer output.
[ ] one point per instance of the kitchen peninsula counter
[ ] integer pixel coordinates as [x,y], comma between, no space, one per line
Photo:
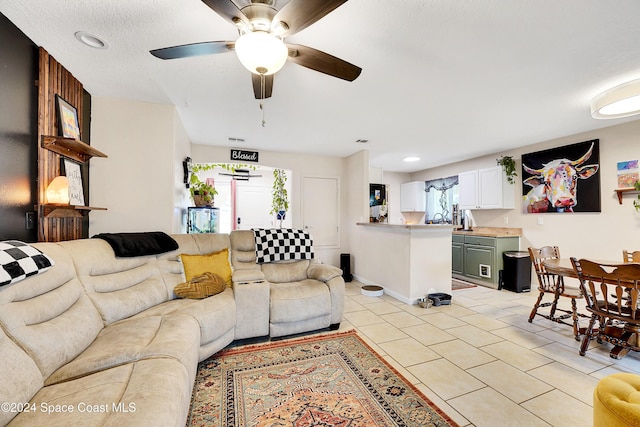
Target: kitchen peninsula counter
[426,227]
[491,232]
[407,260]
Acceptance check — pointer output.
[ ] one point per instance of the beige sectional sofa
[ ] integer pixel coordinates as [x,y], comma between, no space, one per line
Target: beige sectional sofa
[103,341]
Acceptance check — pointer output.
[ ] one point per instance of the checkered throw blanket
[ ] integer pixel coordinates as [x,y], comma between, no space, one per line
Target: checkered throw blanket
[19,260]
[282,244]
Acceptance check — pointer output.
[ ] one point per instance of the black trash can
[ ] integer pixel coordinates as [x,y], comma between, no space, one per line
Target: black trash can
[516,275]
[345,266]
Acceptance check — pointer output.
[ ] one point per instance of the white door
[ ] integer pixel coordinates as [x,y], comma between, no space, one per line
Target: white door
[253,204]
[321,210]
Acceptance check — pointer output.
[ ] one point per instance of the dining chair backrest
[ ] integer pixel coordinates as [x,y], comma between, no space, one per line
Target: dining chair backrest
[618,286]
[630,256]
[548,282]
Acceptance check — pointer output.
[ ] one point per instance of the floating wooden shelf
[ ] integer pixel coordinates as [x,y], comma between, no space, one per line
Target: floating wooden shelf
[621,191]
[67,211]
[71,148]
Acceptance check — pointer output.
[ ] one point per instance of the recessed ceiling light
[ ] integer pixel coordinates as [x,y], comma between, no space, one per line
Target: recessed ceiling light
[91,40]
[411,159]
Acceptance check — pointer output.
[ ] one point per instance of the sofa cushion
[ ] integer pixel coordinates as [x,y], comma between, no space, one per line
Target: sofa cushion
[21,378]
[150,392]
[19,260]
[50,317]
[119,287]
[243,250]
[216,317]
[199,287]
[216,262]
[130,340]
[285,271]
[296,301]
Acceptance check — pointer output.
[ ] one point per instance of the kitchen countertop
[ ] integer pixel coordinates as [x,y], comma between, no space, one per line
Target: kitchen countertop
[491,232]
[408,226]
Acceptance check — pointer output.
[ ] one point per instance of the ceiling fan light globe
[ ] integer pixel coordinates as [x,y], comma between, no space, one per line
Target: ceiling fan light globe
[261,51]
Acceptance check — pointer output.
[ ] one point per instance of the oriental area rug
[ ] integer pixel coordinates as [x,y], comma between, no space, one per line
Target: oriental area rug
[333,380]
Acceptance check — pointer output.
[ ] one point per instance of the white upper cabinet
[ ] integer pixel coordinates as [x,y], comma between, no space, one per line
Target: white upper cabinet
[412,197]
[486,189]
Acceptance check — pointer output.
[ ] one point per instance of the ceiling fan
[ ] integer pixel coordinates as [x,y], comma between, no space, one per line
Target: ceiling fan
[261,48]
[240,175]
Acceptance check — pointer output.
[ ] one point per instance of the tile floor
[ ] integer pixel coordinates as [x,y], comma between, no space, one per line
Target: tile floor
[481,362]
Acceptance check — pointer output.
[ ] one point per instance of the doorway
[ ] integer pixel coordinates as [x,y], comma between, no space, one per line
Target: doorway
[244,200]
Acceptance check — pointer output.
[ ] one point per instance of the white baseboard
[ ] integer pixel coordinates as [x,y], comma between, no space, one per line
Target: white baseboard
[387,291]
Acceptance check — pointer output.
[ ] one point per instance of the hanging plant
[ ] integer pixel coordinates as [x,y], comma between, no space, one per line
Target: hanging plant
[509,168]
[280,200]
[636,203]
[203,193]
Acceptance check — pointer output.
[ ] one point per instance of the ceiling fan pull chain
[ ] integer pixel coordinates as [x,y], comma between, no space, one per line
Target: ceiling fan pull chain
[262,93]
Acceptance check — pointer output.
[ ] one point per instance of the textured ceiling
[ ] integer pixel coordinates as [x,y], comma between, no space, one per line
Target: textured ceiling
[445,80]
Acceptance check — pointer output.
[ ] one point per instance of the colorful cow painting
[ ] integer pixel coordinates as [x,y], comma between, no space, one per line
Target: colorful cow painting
[553,179]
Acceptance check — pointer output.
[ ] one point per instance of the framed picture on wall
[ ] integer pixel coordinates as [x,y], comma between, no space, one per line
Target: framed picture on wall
[76,193]
[377,203]
[562,179]
[67,119]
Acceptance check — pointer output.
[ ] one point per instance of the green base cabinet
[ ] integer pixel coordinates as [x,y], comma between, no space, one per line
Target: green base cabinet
[457,254]
[478,259]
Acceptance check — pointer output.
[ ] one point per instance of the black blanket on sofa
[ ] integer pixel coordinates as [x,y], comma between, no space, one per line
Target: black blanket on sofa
[139,244]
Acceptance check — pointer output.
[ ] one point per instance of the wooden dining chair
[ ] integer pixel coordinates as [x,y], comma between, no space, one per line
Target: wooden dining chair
[630,256]
[553,285]
[617,313]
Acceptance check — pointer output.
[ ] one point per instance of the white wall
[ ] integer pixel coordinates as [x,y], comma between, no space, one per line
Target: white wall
[591,235]
[140,183]
[357,210]
[181,196]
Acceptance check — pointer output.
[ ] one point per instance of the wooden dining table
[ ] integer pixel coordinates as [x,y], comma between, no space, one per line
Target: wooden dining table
[563,267]
[560,266]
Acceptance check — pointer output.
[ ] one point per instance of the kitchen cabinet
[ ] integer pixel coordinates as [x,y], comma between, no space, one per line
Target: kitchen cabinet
[478,259]
[457,254]
[412,197]
[485,189]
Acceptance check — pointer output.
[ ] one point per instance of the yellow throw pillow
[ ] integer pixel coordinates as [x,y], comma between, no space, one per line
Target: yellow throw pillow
[216,262]
[201,286]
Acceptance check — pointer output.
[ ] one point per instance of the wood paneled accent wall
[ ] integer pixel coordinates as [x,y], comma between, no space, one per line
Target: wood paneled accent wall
[54,79]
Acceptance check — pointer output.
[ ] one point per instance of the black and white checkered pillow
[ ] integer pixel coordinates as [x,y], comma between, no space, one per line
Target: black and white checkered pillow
[20,260]
[282,244]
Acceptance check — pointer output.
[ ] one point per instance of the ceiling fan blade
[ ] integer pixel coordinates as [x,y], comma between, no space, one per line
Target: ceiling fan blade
[229,11]
[322,62]
[299,14]
[193,49]
[257,85]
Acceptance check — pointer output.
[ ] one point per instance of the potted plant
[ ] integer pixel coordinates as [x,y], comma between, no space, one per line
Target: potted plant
[636,203]
[201,192]
[280,201]
[509,167]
